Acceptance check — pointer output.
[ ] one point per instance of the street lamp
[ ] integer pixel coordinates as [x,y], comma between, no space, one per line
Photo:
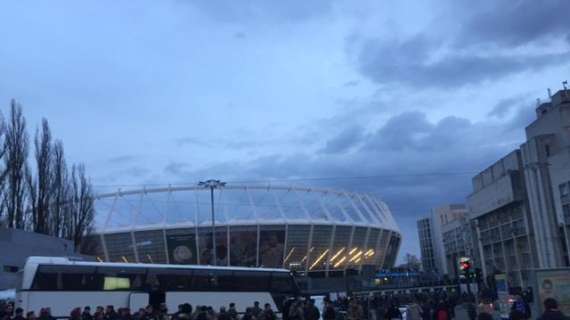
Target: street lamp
[212,184]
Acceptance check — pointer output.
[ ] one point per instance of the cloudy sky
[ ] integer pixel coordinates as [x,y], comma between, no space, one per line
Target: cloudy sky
[403,99]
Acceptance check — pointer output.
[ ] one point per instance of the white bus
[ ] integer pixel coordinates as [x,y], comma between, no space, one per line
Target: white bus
[64,284]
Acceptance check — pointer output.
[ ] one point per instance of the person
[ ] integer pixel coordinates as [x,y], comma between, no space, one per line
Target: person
[414,311]
[355,310]
[551,311]
[248,314]
[520,310]
[267,313]
[296,311]
[465,310]
[393,312]
[311,312]
[256,310]
[426,310]
[19,314]
[233,311]
[441,312]
[86,314]
[163,312]
[110,313]
[329,313]
[30,315]
[75,314]
[223,314]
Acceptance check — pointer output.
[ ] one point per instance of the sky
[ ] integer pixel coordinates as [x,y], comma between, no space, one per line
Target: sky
[405,100]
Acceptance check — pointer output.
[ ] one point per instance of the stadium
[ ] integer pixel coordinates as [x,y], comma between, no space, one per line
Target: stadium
[305,229]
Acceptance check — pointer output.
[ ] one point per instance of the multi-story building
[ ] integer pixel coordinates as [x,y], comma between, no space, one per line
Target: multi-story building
[520,205]
[546,160]
[425,234]
[499,212]
[457,240]
[442,239]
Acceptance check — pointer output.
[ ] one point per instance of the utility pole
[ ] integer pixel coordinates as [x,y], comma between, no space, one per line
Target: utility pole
[212,184]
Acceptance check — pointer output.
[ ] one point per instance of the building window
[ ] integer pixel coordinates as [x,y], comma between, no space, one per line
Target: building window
[547,150]
[11,269]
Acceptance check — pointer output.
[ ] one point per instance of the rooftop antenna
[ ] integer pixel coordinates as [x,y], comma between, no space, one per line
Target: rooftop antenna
[565,84]
[549,93]
[537,102]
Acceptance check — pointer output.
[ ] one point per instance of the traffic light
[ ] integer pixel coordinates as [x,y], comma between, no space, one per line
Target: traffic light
[465,265]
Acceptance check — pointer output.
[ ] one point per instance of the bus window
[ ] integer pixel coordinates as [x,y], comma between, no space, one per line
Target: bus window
[204,280]
[282,282]
[115,278]
[79,278]
[225,280]
[175,280]
[251,281]
[46,278]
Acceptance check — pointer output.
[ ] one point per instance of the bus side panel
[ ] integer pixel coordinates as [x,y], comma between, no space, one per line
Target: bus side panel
[216,300]
[62,302]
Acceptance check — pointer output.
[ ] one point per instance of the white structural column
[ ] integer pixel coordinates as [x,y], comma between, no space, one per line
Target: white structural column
[349,247]
[107,221]
[196,213]
[386,247]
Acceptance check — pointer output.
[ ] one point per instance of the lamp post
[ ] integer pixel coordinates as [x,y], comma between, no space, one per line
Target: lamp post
[212,184]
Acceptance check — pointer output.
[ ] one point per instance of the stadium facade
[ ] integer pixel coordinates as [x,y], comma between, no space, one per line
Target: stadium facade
[256,226]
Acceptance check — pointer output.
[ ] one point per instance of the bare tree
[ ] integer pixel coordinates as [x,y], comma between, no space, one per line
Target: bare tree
[40,189]
[59,191]
[15,168]
[83,211]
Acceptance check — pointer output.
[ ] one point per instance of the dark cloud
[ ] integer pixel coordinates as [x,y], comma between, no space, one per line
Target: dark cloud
[504,106]
[344,140]
[496,39]
[415,62]
[248,10]
[516,23]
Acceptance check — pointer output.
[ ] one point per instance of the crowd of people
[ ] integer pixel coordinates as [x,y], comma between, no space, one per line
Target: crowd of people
[402,307]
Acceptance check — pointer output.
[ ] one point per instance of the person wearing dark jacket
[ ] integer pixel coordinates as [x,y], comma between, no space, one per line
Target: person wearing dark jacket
[551,311]
[329,313]
[19,315]
[311,312]
[86,314]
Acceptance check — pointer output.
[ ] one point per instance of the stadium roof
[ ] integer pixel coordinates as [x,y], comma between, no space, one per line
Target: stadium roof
[174,207]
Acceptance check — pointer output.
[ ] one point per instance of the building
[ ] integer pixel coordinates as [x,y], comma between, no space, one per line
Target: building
[17,245]
[311,230]
[457,239]
[546,160]
[443,239]
[519,205]
[504,236]
[425,235]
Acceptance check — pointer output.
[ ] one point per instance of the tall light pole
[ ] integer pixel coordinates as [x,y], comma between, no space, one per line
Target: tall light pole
[212,184]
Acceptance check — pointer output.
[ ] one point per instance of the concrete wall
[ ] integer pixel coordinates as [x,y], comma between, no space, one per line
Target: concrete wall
[17,245]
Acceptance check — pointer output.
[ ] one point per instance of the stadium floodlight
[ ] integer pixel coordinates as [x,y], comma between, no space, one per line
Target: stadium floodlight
[212,184]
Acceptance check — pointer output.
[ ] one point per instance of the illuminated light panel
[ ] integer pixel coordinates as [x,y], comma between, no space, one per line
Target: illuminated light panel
[369,253]
[358,260]
[352,251]
[339,262]
[124,259]
[356,256]
[289,254]
[319,259]
[149,258]
[337,254]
